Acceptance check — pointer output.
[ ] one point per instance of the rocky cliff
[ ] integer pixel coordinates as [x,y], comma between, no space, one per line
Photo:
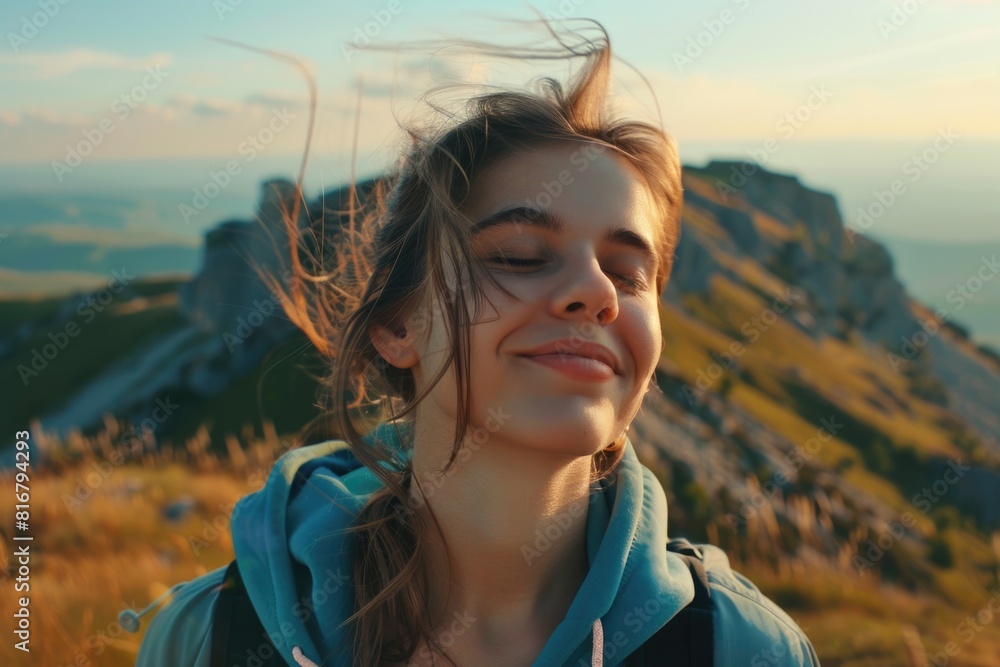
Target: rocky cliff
[781,325]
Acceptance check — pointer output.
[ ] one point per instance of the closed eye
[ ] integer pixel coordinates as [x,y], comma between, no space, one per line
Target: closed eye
[515,261]
[632,285]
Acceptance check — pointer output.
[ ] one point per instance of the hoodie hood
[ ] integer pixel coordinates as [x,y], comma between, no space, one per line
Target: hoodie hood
[295,557]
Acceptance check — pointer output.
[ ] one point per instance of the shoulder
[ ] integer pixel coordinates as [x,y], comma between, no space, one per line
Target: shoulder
[180,634]
[750,629]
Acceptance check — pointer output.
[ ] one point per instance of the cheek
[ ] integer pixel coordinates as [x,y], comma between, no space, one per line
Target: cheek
[645,334]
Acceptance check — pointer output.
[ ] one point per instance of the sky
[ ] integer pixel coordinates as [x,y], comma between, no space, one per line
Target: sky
[853,96]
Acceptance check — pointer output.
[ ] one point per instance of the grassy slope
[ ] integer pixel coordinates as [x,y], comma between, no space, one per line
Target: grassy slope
[281,390]
[115,547]
[100,554]
[851,619]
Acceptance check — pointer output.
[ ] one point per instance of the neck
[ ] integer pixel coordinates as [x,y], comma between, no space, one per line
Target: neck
[515,523]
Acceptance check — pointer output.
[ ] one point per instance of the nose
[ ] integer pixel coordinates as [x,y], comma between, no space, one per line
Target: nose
[589,290]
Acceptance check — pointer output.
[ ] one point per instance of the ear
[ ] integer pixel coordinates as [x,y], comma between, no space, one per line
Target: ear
[394,346]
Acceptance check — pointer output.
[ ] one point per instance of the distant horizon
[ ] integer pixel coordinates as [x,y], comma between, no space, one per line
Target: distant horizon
[141,211]
[960,189]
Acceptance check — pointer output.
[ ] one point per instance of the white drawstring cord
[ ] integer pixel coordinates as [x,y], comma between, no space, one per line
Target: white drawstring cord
[597,654]
[301,658]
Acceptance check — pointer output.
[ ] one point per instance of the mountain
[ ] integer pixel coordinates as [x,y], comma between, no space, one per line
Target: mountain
[811,410]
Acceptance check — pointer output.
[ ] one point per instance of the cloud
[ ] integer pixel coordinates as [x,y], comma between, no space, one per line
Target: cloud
[41,116]
[270,100]
[44,120]
[189,104]
[60,64]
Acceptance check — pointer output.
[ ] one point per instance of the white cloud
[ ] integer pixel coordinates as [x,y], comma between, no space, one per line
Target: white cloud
[190,104]
[278,99]
[64,63]
[41,116]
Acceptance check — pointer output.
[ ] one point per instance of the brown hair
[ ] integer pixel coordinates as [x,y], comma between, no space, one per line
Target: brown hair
[388,264]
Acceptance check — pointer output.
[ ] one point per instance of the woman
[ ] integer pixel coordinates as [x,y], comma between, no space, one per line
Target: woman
[501,517]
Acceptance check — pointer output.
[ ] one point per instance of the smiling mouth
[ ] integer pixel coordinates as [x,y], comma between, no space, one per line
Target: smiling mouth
[580,368]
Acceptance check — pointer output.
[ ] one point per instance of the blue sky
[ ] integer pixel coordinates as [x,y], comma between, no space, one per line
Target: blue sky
[895,74]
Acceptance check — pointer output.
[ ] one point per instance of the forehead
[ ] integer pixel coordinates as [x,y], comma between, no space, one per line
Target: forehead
[587,184]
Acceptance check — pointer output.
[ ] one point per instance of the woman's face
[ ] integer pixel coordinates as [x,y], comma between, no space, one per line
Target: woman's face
[563,279]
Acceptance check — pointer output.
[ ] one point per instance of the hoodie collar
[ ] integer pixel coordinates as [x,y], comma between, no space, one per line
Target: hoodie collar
[296,560]
[634,586]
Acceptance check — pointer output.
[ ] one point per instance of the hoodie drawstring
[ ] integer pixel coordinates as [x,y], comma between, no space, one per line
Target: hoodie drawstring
[596,655]
[301,658]
[129,619]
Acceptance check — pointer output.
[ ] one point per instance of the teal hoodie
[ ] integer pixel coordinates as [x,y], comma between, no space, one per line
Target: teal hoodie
[295,560]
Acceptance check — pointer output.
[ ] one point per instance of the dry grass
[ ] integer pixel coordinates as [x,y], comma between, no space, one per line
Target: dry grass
[102,543]
[114,548]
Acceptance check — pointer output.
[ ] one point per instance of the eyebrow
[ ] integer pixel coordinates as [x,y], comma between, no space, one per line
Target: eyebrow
[543,219]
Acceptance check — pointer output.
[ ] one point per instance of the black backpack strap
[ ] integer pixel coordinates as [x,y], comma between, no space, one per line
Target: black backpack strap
[686,640]
[237,633]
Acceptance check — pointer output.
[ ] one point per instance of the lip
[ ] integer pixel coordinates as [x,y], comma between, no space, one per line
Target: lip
[561,350]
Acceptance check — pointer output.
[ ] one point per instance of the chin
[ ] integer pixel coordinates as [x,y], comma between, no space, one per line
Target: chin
[569,446]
